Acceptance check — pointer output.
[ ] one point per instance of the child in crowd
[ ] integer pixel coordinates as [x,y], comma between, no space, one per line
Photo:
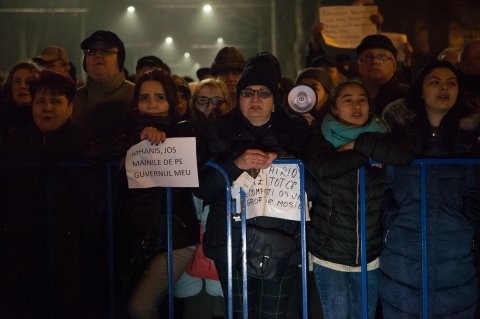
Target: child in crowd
[340,144]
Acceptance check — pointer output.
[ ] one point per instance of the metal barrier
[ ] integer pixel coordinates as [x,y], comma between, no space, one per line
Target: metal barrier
[230,210]
[423,197]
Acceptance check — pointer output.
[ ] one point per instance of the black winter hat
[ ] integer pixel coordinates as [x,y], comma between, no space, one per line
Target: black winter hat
[261,69]
[376,41]
[110,39]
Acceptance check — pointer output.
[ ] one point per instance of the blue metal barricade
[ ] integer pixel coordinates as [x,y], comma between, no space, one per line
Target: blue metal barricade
[423,163]
[244,252]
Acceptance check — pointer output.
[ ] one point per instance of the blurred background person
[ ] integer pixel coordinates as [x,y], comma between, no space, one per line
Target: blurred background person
[16,104]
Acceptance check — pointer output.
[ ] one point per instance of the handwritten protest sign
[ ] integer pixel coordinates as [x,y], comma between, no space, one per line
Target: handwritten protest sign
[172,163]
[399,40]
[274,193]
[346,26]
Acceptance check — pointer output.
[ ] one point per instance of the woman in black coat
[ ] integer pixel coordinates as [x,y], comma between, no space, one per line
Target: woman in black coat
[145,211]
[248,139]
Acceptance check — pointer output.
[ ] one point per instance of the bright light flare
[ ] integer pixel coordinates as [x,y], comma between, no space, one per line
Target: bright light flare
[131,9]
[168,40]
[219,40]
[207,8]
[186,54]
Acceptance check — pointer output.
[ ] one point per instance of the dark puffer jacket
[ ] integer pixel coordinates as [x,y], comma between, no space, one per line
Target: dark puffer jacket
[334,231]
[232,135]
[453,208]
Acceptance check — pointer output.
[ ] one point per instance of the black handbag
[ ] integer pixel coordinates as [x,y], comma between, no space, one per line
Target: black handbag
[268,252]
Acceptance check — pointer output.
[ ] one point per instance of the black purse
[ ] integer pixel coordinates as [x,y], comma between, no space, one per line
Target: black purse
[268,252]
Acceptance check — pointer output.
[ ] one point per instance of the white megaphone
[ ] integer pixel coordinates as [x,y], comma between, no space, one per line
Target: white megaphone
[302,99]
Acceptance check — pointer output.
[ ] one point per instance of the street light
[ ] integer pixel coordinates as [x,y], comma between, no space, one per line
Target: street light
[131,9]
[207,8]
[168,40]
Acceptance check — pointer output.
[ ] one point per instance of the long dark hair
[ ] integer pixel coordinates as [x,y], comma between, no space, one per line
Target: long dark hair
[160,76]
[450,121]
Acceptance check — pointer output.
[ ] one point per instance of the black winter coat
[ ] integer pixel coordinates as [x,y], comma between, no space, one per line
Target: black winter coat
[334,230]
[230,137]
[145,210]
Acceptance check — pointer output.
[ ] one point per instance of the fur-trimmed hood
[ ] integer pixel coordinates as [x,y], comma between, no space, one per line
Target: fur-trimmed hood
[398,116]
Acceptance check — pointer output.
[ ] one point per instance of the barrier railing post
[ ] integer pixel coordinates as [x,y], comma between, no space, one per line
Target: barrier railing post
[169,252]
[111,276]
[243,217]
[363,244]
[423,203]
[228,198]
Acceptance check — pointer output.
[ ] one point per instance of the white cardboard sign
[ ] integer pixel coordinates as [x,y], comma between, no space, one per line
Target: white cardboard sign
[346,26]
[274,193]
[172,163]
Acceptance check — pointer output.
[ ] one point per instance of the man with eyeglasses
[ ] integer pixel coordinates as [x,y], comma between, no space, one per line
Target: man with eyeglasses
[102,105]
[377,60]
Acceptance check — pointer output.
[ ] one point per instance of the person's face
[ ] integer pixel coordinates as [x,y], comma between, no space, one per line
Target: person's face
[230,78]
[50,111]
[182,103]
[351,106]
[101,61]
[376,66]
[256,109]
[322,95]
[152,99]
[209,99]
[440,90]
[20,87]
[471,59]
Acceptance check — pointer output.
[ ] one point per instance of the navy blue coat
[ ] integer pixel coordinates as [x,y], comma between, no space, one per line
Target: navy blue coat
[453,208]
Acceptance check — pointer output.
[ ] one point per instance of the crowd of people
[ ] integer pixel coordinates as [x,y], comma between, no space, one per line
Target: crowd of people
[56,138]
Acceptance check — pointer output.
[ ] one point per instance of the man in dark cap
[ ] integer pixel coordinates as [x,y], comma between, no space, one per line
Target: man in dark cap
[377,60]
[228,66]
[151,62]
[102,104]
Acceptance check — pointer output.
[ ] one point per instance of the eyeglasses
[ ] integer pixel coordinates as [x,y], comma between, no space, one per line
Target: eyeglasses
[370,58]
[104,52]
[262,93]
[203,100]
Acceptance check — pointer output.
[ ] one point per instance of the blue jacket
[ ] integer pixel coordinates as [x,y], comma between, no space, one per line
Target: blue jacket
[453,208]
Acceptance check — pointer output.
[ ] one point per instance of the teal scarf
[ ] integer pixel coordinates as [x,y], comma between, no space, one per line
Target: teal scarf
[338,133]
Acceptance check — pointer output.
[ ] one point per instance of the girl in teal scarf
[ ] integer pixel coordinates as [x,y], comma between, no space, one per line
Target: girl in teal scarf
[349,116]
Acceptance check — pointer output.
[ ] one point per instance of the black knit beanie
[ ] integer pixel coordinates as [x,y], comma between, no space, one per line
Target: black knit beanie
[261,69]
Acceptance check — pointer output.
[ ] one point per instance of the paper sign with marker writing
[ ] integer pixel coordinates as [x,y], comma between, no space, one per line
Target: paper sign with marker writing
[172,163]
[275,193]
[346,26]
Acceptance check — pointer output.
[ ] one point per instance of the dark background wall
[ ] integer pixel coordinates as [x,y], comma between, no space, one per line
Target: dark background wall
[279,26]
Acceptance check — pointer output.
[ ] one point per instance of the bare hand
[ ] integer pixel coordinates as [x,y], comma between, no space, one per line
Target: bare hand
[379,165]
[153,135]
[253,158]
[346,147]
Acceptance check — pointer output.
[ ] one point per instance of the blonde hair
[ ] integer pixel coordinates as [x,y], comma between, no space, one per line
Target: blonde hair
[217,84]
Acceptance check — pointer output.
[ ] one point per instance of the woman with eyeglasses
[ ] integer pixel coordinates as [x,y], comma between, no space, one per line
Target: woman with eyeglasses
[248,139]
[210,99]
